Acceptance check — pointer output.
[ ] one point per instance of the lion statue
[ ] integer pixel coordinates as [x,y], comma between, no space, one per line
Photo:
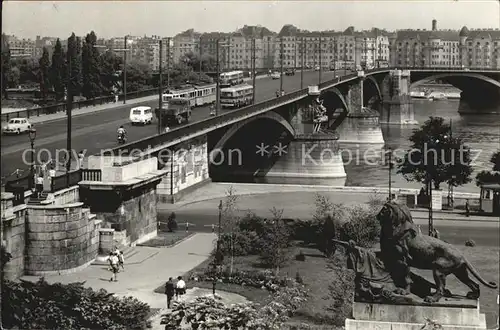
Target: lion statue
[403,246]
[373,283]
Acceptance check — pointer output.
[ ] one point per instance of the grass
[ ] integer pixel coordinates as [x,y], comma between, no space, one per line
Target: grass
[316,275]
[166,239]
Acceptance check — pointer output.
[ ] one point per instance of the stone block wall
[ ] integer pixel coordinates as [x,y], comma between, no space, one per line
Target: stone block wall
[60,238]
[13,222]
[355,96]
[137,215]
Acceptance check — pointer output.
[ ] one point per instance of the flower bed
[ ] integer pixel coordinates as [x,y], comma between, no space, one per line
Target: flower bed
[263,279]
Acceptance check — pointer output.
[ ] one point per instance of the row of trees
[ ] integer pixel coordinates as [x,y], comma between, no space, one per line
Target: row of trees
[90,72]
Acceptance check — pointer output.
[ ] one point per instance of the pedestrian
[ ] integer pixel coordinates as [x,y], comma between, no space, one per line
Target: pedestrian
[121,259]
[52,171]
[180,287]
[169,290]
[81,155]
[110,268]
[39,184]
[116,98]
[467,208]
[113,260]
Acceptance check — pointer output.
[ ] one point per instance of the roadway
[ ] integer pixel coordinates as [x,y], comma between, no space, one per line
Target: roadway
[97,131]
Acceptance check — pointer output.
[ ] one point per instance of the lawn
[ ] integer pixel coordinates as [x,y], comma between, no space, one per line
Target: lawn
[317,276]
[166,239]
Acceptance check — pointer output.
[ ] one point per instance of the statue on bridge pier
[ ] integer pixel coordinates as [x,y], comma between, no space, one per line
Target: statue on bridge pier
[319,115]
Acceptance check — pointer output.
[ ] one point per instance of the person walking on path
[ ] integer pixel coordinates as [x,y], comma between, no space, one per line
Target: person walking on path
[121,259]
[467,208]
[180,288]
[169,291]
[113,260]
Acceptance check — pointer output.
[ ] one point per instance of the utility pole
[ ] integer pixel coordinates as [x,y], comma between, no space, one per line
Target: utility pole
[69,107]
[320,60]
[365,53]
[295,53]
[253,70]
[217,91]
[281,65]
[345,55]
[160,89]
[168,62]
[227,51]
[199,75]
[125,71]
[302,58]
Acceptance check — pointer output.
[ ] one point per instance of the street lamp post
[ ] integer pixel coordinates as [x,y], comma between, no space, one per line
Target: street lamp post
[32,137]
[390,174]
[254,70]
[302,53]
[218,256]
[217,92]
[281,65]
[69,108]
[320,60]
[125,70]
[160,87]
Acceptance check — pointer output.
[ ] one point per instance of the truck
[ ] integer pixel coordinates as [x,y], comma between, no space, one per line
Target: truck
[175,112]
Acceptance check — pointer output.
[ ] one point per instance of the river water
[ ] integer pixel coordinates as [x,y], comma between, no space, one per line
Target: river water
[480,132]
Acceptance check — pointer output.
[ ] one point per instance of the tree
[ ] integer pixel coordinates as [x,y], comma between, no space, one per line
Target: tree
[28,71]
[138,76]
[192,60]
[73,62]
[90,67]
[230,220]
[44,74]
[328,234]
[58,70]
[275,241]
[436,157]
[5,65]
[13,77]
[110,64]
[493,176]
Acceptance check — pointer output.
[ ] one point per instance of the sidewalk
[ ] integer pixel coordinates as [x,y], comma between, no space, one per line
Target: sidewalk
[83,111]
[141,277]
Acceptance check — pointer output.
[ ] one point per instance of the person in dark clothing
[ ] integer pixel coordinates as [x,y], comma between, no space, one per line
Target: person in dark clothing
[467,208]
[169,291]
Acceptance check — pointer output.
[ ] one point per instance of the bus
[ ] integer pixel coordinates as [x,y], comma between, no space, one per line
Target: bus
[177,111]
[198,95]
[236,96]
[232,78]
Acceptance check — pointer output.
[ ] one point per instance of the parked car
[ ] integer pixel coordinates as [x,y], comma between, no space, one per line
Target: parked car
[17,126]
[275,75]
[290,72]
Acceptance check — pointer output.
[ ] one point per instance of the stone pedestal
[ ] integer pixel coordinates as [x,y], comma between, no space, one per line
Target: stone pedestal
[315,155]
[451,315]
[437,200]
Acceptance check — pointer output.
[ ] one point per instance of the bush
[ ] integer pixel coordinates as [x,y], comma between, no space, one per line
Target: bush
[41,305]
[362,226]
[298,278]
[172,223]
[300,257]
[254,223]
[341,289]
[244,243]
[470,242]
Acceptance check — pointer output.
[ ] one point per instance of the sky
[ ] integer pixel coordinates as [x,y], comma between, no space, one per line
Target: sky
[108,19]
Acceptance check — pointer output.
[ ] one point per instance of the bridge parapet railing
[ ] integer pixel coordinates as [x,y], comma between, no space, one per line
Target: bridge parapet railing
[207,124]
[446,69]
[53,108]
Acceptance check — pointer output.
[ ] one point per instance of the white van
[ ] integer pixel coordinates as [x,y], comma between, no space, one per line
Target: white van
[141,115]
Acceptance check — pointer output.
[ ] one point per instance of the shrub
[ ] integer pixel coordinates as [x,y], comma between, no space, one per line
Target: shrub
[274,243]
[41,305]
[341,289]
[361,226]
[251,222]
[172,223]
[470,242]
[298,278]
[244,243]
[300,257]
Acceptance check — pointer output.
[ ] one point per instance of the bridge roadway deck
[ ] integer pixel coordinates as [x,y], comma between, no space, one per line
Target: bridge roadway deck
[97,131]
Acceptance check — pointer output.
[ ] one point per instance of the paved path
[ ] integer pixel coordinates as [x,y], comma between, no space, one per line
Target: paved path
[141,278]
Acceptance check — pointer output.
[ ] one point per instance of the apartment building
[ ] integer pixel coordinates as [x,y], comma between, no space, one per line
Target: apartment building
[21,47]
[479,48]
[208,43]
[184,43]
[240,48]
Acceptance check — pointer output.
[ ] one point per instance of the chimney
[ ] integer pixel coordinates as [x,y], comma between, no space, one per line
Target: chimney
[434,25]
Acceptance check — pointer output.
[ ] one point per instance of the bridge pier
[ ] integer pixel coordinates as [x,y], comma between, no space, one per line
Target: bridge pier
[397,105]
[313,153]
[360,128]
[475,101]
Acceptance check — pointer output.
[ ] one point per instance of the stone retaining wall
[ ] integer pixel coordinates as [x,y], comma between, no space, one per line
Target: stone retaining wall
[60,238]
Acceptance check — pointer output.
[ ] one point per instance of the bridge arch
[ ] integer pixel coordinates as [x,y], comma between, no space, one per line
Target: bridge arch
[337,92]
[478,76]
[375,84]
[271,115]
